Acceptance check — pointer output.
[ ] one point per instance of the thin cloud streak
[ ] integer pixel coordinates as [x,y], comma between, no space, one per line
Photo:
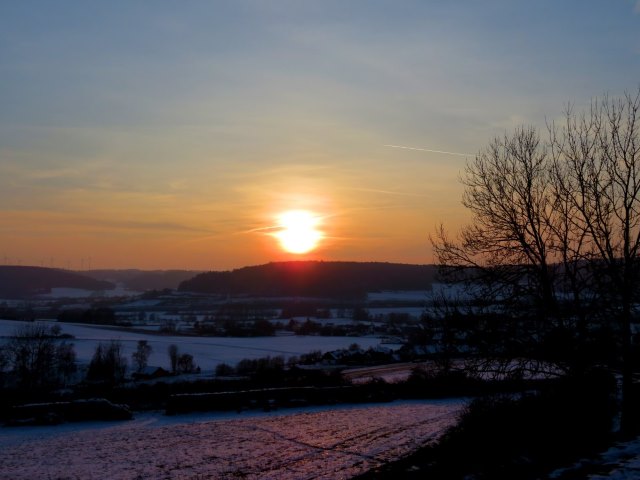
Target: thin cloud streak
[18,219]
[432,151]
[391,192]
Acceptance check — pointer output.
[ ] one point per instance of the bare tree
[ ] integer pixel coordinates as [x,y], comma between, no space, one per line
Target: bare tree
[4,362]
[186,363]
[141,356]
[65,361]
[597,165]
[173,357]
[108,364]
[32,351]
[507,192]
[559,216]
[37,357]
[504,257]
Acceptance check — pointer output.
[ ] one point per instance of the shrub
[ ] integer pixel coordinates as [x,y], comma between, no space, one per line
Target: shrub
[186,363]
[224,370]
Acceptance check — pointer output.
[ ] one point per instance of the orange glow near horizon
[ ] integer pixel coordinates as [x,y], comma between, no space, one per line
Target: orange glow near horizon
[298,232]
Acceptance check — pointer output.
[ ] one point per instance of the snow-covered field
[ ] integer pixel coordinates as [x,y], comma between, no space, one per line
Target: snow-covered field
[208,352]
[59,292]
[323,443]
[400,295]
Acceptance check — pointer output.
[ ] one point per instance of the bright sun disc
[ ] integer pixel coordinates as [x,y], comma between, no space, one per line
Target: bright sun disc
[298,231]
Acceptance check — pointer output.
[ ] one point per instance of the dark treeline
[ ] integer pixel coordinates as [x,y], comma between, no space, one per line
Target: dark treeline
[314,279]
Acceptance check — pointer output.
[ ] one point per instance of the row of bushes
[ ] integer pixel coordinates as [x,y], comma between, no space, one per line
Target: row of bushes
[523,437]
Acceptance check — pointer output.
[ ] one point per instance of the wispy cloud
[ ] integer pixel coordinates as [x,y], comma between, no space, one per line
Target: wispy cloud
[138,225]
[267,230]
[46,218]
[432,151]
[636,9]
[391,192]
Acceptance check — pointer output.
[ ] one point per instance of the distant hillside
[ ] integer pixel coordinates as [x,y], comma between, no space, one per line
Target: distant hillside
[17,281]
[314,279]
[142,280]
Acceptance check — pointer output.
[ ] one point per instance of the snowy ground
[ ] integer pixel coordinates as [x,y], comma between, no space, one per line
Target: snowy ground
[208,352]
[620,462]
[329,443]
[400,295]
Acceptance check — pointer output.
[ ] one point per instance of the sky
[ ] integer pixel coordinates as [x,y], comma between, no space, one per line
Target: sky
[158,134]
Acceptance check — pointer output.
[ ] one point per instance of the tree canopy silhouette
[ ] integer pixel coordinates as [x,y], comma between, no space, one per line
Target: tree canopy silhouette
[555,230]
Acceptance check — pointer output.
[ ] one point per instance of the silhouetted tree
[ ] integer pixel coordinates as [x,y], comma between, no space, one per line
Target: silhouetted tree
[555,235]
[141,356]
[65,361]
[4,358]
[38,357]
[108,363]
[507,191]
[186,363]
[173,357]
[597,160]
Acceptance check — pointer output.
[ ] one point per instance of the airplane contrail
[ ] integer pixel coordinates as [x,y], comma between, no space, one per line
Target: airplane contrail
[432,151]
[390,192]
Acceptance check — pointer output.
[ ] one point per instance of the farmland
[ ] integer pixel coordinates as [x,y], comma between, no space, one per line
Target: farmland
[326,443]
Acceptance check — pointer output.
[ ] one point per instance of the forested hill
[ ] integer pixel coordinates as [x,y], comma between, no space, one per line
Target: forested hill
[19,281]
[314,279]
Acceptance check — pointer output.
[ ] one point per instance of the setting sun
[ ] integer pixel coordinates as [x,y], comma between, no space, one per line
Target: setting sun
[298,232]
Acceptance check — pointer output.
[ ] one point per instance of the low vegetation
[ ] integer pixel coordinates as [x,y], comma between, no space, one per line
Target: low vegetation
[518,436]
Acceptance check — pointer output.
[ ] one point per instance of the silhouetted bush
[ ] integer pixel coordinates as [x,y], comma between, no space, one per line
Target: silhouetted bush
[261,368]
[224,370]
[186,363]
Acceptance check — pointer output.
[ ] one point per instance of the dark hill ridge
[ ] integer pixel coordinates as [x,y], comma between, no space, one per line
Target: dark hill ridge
[314,279]
[19,281]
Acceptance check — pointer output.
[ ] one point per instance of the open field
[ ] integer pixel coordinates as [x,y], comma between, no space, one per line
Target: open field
[329,443]
[208,352]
